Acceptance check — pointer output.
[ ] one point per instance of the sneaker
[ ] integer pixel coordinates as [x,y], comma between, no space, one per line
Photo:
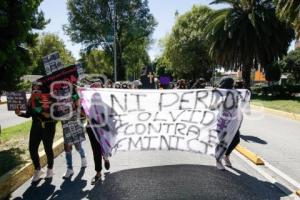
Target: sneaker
[227,161]
[106,164]
[68,174]
[49,173]
[219,165]
[95,180]
[83,163]
[37,175]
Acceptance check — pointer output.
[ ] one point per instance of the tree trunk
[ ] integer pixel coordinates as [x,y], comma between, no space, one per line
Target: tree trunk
[246,73]
[121,71]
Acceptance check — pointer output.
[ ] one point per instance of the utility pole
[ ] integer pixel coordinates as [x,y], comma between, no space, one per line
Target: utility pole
[112,6]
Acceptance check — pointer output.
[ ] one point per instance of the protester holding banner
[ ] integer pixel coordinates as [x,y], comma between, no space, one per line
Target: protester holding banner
[181,84]
[96,147]
[228,83]
[42,129]
[73,134]
[199,84]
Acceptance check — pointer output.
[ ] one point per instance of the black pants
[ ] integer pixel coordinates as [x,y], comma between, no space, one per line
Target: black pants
[96,150]
[234,143]
[39,133]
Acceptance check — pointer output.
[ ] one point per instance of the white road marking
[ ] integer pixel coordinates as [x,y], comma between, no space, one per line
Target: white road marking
[286,189]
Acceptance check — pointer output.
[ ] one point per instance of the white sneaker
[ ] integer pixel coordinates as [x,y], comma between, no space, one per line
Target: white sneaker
[37,175]
[227,161]
[219,165]
[69,173]
[49,173]
[83,163]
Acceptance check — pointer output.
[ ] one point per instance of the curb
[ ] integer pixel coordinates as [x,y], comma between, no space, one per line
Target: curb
[277,112]
[13,179]
[250,155]
[254,158]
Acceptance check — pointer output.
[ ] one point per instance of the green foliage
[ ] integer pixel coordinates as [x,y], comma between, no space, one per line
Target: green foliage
[246,34]
[273,72]
[45,44]
[24,86]
[186,48]
[162,70]
[291,64]
[136,57]
[162,61]
[97,62]
[289,10]
[17,20]
[92,24]
[279,91]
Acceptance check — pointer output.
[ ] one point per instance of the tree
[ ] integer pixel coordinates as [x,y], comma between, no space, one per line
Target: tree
[186,47]
[18,19]
[289,10]
[273,72]
[46,44]
[246,34]
[291,64]
[135,58]
[97,62]
[92,24]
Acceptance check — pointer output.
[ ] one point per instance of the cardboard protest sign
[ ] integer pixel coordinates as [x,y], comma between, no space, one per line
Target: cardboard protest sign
[15,100]
[203,121]
[52,63]
[80,71]
[73,131]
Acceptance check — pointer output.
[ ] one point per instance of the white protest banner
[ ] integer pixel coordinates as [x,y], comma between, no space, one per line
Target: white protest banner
[203,121]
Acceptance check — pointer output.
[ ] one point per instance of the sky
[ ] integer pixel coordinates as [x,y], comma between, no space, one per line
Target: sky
[163,11]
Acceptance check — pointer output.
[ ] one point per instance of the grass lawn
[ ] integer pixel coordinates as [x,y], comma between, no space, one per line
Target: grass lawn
[14,145]
[288,105]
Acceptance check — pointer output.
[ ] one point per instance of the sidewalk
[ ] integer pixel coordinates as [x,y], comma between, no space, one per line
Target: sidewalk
[154,175]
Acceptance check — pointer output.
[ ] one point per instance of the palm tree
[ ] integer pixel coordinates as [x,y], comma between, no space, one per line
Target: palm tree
[247,34]
[289,10]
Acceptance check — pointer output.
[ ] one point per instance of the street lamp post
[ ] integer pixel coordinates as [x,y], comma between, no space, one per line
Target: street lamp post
[112,6]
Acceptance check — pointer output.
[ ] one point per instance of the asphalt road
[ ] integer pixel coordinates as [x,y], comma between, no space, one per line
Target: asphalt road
[8,118]
[153,175]
[182,175]
[276,139]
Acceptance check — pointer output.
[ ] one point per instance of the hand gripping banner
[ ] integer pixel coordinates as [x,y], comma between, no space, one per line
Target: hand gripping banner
[202,121]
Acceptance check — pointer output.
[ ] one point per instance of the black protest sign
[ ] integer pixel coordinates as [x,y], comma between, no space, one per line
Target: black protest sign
[16,100]
[52,63]
[73,130]
[68,74]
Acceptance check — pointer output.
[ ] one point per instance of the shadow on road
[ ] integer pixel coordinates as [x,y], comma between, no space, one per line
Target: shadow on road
[164,182]
[72,189]
[250,138]
[41,192]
